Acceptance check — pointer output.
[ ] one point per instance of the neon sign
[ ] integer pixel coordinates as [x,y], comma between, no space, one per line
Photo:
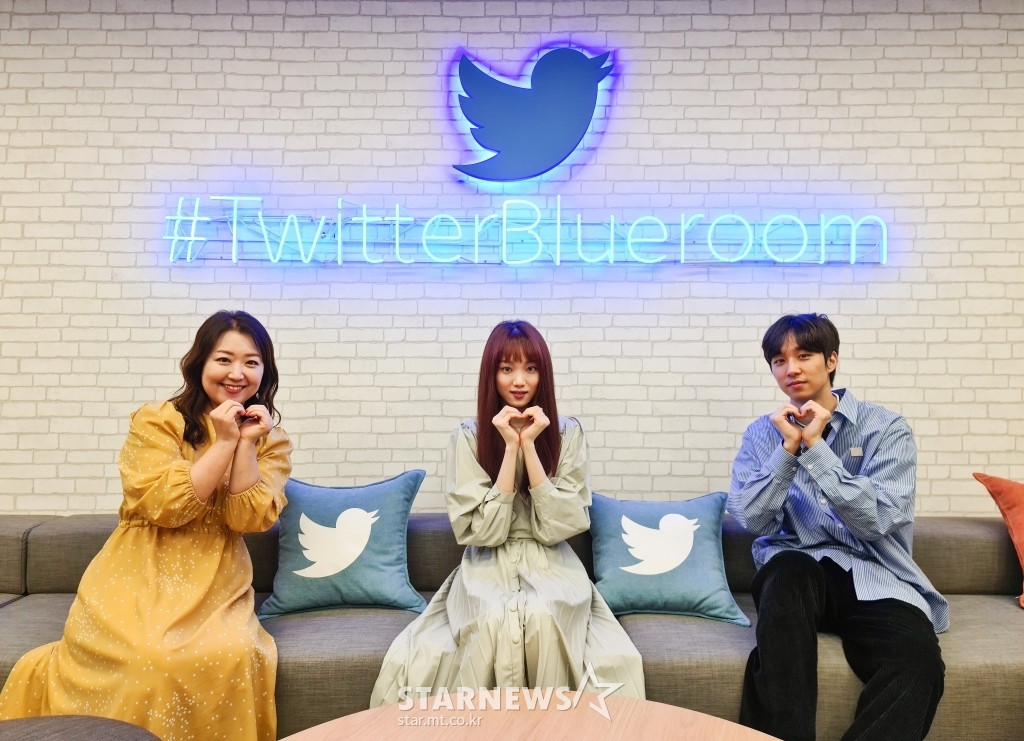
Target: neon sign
[517,235]
[530,130]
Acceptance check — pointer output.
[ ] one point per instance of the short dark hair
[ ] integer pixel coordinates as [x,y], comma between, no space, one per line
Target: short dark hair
[811,332]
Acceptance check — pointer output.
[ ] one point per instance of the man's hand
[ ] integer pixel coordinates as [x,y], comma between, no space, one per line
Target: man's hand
[814,417]
[791,433]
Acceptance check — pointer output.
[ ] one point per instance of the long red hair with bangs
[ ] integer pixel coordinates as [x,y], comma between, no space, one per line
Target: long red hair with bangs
[510,341]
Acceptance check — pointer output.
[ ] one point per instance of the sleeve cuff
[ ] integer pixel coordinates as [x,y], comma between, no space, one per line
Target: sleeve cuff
[819,458]
[503,497]
[783,464]
[194,500]
[251,490]
[545,487]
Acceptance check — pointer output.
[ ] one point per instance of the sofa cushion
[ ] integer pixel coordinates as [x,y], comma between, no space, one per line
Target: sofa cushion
[14,530]
[663,557]
[29,623]
[59,551]
[72,728]
[433,551]
[961,555]
[6,599]
[263,553]
[329,660]
[699,664]
[984,655]
[345,546]
[736,549]
[1009,497]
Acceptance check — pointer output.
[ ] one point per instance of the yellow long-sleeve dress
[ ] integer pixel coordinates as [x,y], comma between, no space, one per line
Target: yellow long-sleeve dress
[162,633]
[520,610]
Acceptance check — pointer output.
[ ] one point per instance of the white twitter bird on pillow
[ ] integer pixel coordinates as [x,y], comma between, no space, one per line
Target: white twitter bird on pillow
[333,549]
[658,550]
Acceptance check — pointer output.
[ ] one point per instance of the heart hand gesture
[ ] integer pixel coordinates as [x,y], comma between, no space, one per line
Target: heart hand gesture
[256,423]
[536,423]
[791,432]
[508,422]
[225,421]
[814,418]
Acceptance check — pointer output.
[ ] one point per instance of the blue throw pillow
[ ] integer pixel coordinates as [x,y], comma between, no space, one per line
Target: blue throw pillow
[345,546]
[663,557]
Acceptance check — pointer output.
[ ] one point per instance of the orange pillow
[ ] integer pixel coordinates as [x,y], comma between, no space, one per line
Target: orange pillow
[1009,496]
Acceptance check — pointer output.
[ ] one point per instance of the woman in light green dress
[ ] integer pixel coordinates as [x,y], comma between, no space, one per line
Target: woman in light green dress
[520,611]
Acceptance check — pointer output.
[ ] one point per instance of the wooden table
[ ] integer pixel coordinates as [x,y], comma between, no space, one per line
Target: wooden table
[630,719]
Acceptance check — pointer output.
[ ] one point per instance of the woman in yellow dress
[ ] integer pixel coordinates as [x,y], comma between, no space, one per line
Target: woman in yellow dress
[162,633]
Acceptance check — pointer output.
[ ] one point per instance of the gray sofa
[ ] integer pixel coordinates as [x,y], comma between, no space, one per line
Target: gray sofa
[328,660]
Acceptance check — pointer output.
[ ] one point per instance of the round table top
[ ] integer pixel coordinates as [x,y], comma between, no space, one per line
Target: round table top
[628,718]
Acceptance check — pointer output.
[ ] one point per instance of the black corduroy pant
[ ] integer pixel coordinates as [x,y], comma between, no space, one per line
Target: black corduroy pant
[890,645]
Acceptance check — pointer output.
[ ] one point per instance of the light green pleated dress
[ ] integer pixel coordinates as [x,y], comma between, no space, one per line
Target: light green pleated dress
[520,610]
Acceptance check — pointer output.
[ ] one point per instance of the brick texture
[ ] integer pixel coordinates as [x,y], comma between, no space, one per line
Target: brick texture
[911,109]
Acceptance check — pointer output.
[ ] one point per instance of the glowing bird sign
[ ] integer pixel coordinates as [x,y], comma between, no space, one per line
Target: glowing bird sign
[530,130]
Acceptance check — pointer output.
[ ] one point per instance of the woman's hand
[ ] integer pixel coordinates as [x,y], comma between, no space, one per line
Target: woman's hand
[225,421]
[536,423]
[207,472]
[503,422]
[256,423]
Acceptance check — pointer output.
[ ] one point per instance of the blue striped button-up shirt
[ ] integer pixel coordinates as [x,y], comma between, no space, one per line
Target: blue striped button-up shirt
[850,497]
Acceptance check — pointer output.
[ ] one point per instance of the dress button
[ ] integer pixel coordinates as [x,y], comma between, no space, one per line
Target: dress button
[810,466]
[823,501]
[513,607]
[793,469]
[515,638]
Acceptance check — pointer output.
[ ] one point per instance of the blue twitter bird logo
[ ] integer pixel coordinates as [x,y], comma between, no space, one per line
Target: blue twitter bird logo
[533,129]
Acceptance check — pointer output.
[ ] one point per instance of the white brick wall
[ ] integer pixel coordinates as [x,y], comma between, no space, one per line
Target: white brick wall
[908,108]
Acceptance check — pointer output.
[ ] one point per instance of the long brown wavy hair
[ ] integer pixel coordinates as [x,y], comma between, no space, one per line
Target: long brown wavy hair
[191,400]
[511,341]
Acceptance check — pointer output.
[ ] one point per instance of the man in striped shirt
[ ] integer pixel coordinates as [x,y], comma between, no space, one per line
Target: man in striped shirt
[828,484]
